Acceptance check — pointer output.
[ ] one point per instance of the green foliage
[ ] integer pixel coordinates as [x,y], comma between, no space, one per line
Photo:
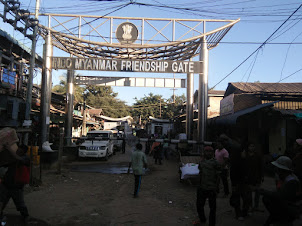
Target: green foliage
[103,97]
[97,97]
[62,87]
[156,106]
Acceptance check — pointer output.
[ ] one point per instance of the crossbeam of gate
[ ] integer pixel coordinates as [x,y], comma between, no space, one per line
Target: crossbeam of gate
[131,81]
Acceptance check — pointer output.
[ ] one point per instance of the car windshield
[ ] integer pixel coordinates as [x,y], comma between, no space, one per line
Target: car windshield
[101,135]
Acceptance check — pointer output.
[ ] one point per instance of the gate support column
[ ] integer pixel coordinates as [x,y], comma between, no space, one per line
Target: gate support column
[46,89]
[203,91]
[69,106]
[189,107]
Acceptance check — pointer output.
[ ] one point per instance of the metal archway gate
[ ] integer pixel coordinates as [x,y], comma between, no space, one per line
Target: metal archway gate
[168,47]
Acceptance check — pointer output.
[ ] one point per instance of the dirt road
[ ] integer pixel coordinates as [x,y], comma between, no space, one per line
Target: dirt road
[94,198]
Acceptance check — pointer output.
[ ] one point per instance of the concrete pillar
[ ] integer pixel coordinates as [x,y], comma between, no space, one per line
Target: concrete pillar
[203,91]
[69,106]
[189,107]
[31,71]
[46,87]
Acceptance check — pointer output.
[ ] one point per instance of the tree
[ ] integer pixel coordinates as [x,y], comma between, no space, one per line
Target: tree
[97,97]
[103,97]
[147,106]
[156,106]
[62,87]
[179,100]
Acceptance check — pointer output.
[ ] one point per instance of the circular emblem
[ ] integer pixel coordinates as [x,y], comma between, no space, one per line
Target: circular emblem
[126,33]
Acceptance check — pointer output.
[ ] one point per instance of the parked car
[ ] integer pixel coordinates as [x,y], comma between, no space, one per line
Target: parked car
[98,144]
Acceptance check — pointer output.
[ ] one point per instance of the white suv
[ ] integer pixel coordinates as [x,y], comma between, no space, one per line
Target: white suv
[97,144]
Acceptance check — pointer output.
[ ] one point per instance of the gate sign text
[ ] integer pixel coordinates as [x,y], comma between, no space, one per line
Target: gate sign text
[155,66]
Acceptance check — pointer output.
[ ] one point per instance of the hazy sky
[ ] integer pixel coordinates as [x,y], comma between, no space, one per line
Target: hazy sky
[279,60]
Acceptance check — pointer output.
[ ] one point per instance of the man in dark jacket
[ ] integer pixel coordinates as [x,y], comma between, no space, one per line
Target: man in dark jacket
[239,197]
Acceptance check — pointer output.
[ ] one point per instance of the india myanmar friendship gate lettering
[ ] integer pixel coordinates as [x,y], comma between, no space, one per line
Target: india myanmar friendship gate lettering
[155,66]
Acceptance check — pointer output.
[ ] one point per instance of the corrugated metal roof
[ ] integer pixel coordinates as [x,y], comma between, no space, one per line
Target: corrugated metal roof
[232,118]
[210,93]
[4,36]
[159,120]
[13,40]
[273,88]
[95,112]
[116,119]
[216,92]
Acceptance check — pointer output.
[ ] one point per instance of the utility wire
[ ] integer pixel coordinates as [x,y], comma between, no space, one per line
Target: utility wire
[197,11]
[255,59]
[290,75]
[299,20]
[257,48]
[221,42]
[287,54]
[121,7]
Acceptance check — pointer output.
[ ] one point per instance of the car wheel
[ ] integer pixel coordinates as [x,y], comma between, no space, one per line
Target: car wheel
[114,150]
[79,158]
[107,156]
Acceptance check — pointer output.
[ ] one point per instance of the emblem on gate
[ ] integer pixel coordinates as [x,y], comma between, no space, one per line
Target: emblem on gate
[126,33]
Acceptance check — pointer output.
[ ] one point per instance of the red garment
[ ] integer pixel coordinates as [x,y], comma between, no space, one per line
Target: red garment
[155,144]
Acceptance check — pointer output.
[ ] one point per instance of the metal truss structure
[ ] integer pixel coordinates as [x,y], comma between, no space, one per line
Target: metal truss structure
[164,39]
[134,39]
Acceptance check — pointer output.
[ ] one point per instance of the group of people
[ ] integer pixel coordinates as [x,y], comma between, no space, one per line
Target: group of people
[242,162]
[246,169]
[14,172]
[158,150]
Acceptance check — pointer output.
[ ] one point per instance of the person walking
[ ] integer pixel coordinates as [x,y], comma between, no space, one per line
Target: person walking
[138,163]
[147,146]
[239,197]
[13,182]
[222,156]
[254,172]
[124,146]
[156,150]
[209,171]
[166,148]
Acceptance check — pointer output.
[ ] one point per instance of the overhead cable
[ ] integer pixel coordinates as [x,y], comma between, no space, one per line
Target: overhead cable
[257,48]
